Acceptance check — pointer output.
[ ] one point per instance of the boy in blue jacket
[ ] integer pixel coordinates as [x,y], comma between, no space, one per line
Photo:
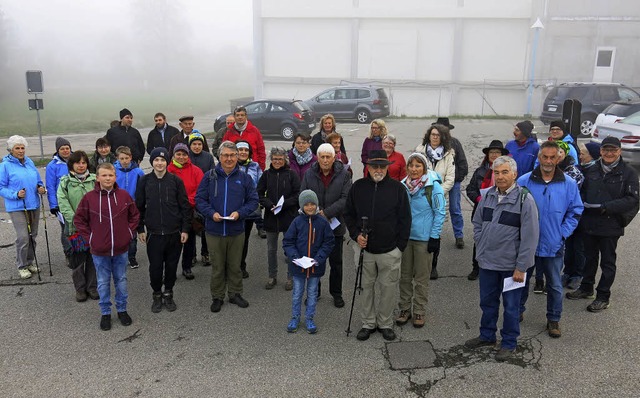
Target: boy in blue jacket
[127,175]
[309,235]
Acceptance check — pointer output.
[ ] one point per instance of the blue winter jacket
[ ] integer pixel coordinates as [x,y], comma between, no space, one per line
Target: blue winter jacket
[309,236]
[127,179]
[426,219]
[13,177]
[224,194]
[559,207]
[525,156]
[56,169]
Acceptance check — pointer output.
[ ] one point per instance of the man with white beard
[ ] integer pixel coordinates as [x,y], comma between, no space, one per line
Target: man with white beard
[385,204]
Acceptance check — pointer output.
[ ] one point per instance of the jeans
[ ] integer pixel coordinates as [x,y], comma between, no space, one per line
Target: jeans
[272,254]
[491,283]
[25,253]
[552,268]
[605,246]
[298,292]
[106,266]
[457,221]
[133,246]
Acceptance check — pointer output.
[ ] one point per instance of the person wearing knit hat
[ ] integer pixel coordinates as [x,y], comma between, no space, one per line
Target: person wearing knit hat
[159,152]
[309,238]
[181,147]
[589,153]
[124,113]
[124,134]
[524,147]
[557,132]
[55,170]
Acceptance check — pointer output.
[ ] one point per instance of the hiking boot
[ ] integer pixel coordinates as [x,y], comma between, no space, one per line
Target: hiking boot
[133,263]
[403,317]
[216,305]
[289,285]
[418,320]
[434,274]
[473,275]
[125,319]
[477,342]
[105,322]
[188,274]
[504,354]
[539,286]
[156,306]
[167,299]
[598,305]
[93,294]
[554,329]
[460,243]
[338,301]
[574,283]
[311,326]
[81,296]
[24,273]
[238,300]
[262,233]
[292,327]
[245,274]
[364,334]
[271,283]
[205,260]
[579,294]
[388,334]
[33,269]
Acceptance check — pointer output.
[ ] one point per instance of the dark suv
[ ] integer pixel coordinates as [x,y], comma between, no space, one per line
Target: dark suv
[595,97]
[362,103]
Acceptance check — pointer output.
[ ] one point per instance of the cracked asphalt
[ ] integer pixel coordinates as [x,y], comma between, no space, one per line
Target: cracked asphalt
[52,346]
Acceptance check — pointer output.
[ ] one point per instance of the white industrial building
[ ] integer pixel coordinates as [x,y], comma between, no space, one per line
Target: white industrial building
[444,57]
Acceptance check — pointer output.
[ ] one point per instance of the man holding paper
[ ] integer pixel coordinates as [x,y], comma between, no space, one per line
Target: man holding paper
[505,214]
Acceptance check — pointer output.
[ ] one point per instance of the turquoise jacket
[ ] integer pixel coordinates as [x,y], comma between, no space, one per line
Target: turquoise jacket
[427,218]
[14,176]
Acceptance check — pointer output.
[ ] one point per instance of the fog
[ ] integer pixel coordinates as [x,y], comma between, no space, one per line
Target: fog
[118,47]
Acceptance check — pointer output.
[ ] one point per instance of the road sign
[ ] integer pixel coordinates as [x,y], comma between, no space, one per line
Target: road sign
[34,82]
[36,104]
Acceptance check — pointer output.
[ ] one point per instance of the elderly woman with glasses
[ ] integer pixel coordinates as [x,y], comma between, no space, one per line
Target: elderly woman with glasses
[377,131]
[277,183]
[398,167]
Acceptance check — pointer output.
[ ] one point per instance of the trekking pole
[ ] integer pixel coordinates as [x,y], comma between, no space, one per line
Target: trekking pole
[46,233]
[358,284]
[31,241]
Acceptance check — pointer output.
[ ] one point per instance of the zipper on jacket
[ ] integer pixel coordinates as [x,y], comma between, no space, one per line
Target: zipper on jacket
[160,197]
[110,222]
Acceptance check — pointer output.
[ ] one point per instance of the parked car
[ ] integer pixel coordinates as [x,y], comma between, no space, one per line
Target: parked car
[628,132]
[616,112]
[274,117]
[595,97]
[362,103]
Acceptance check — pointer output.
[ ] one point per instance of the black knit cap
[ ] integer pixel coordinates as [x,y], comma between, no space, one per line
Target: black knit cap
[124,113]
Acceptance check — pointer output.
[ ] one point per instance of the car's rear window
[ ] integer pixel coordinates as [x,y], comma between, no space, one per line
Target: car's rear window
[633,119]
[622,110]
[381,93]
[563,93]
[301,106]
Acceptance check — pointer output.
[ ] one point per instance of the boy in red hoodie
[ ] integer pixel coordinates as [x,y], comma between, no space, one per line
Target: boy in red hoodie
[107,218]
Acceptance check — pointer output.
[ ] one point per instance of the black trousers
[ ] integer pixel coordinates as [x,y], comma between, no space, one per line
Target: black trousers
[163,252]
[248,226]
[605,248]
[188,251]
[335,275]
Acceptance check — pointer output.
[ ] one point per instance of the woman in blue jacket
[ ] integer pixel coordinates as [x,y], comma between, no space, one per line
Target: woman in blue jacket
[20,185]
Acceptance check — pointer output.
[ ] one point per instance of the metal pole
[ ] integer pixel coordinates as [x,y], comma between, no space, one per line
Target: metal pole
[537,26]
[39,128]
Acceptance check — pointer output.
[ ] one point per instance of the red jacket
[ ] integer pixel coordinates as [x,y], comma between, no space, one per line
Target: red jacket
[252,135]
[107,220]
[191,176]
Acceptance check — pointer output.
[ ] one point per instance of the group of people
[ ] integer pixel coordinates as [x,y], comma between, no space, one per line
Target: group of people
[535,208]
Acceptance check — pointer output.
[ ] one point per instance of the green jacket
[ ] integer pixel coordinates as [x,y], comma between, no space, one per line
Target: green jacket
[70,192]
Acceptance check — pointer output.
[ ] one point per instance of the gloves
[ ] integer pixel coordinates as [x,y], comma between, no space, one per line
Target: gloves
[433,245]
[54,211]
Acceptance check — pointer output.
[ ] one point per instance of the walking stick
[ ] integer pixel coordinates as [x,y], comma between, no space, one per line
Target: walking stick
[358,284]
[46,233]
[32,244]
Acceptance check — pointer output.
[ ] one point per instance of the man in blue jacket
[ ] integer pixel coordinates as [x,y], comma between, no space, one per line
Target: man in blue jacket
[558,200]
[226,197]
[524,147]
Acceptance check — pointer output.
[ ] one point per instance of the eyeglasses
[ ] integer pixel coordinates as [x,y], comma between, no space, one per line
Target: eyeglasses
[388,143]
[609,149]
[378,166]
[555,129]
[375,128]
[277,159]
[228,155]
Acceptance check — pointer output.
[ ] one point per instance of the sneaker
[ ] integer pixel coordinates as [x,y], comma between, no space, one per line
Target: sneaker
[364,334]
[579,294]
[418,321]
[188,274]
[460,243]
[125,319]
[156,305]
[205,260]
[289,285]
[105,322]
[338,301]
[245,274]
[473,275]
[239,301]
[133,263]
[24,273]
[598,305]
[81,296]
[292,327]
[33,269]
[93,294]
[216,305]
[311,326]
[262,233]
[504,354]
[403,317]
[434,274]
[271,283]
[477,342]
[553,328]
[388,334]
[574,283]
[539,286]
[167,299]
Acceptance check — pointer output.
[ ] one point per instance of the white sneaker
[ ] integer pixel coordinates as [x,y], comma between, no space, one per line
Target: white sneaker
[24,273]
[33,269]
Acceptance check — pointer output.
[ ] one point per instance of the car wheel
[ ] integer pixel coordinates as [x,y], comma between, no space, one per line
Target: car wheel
[586,125]
[363,116]
[287,131]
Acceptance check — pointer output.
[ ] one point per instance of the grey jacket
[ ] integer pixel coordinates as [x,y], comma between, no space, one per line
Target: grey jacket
[506,233]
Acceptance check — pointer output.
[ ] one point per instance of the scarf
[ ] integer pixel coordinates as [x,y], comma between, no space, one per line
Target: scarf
[178,165]
[435,154]
[610,167]
[240,129]
[303,158]
[82,176]
[415,185]
[377,138]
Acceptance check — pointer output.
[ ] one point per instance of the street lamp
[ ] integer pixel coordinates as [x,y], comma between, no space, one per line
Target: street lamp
[537,27]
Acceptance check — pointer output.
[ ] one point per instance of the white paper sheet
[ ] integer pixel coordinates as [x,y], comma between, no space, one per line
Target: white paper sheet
[334,223]
[304,262]
[228,218]
[60,217]
[278,207]
[510,284]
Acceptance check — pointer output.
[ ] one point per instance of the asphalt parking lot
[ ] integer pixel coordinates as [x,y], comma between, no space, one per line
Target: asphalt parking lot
[52,346]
